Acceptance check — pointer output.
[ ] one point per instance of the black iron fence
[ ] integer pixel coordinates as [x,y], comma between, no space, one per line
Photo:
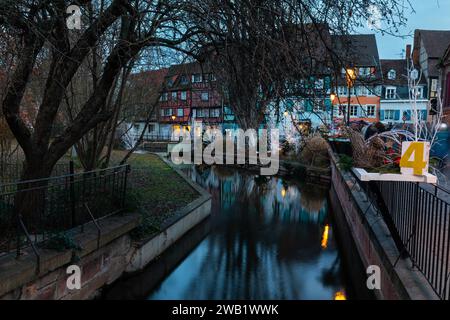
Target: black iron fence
[33,212]
[420,215]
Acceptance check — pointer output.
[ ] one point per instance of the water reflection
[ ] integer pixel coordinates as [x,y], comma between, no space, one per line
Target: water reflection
[269,239]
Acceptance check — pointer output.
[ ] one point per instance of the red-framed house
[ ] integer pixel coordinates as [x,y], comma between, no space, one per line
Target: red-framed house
[190,93]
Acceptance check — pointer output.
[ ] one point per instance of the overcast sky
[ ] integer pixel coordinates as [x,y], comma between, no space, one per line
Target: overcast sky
[429,14]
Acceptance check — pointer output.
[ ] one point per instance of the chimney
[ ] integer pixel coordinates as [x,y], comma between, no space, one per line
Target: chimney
[408,52]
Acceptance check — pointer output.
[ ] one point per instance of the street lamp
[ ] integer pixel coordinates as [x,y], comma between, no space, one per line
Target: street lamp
[332,97]
[173,117]
[351,77]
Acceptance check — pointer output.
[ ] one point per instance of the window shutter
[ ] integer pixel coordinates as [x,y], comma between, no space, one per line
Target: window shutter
[381,115]
[308,106]
[397,115]
[327,83]
[328,105]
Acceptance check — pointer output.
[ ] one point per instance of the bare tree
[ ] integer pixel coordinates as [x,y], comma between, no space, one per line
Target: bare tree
[40,29]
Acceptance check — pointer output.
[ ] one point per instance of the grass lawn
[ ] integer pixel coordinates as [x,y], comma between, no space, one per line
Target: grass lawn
[156,190]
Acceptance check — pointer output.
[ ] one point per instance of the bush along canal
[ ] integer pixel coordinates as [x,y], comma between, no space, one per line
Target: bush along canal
[266,238]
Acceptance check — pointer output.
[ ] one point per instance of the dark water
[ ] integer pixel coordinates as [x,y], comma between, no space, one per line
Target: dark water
[266,239]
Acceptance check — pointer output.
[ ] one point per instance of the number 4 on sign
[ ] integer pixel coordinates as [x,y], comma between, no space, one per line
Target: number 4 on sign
[415,158]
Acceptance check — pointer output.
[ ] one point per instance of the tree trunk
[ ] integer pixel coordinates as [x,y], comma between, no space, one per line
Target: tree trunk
[30,196]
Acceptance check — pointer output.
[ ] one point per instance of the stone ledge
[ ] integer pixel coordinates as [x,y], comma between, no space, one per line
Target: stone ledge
[14,273]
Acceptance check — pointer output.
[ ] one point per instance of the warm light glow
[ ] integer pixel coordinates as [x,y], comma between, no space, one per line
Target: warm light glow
[283,192]
[174,117]
[339,296]
[351,76]
[286,113]
[324,243]
[332,97]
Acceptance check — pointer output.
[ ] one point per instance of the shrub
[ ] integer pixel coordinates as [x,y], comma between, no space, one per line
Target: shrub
[345,162]
[315,150]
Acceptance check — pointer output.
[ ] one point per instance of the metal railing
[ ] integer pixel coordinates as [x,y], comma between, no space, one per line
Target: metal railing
[419,217]
[33,212]
[148,137]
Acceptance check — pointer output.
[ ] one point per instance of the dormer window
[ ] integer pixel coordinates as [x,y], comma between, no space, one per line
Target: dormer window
[184,80]
[392,75]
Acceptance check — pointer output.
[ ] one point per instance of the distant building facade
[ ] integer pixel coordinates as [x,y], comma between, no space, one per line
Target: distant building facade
[396,96]
[359,54]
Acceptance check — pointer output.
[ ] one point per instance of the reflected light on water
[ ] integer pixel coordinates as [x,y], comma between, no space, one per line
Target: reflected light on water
[326,231]
[283,192]
[340,295]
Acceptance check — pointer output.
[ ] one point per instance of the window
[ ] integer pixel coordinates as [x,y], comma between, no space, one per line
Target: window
[212,77]
[342,110]
[164,97]
[174,96]
[417,92]
[353,111]
[318,84]
[167,112]
[319,105]
[215,113]
[342,91]
[202,113]
[370,111]
[389,114]
[205,96]
[162,112]
[183,95]
[151,127]
[184,80]
[392,75]
[391,93]
[363,91]
[196,78]
[180,112]
[364,71]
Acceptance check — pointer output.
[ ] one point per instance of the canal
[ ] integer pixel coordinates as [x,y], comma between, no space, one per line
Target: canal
[267,238]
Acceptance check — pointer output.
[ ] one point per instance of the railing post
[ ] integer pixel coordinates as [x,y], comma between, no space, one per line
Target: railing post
[416,221]
[18,229]
[127,171]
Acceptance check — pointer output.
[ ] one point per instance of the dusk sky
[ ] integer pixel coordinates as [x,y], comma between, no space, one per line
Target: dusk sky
[429,15]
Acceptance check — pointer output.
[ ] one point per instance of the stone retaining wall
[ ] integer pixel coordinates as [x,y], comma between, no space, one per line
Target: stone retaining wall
[101,260]
[359,223]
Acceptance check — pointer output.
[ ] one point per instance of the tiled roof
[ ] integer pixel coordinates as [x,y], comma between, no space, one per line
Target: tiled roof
[435,41]
[360,50]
